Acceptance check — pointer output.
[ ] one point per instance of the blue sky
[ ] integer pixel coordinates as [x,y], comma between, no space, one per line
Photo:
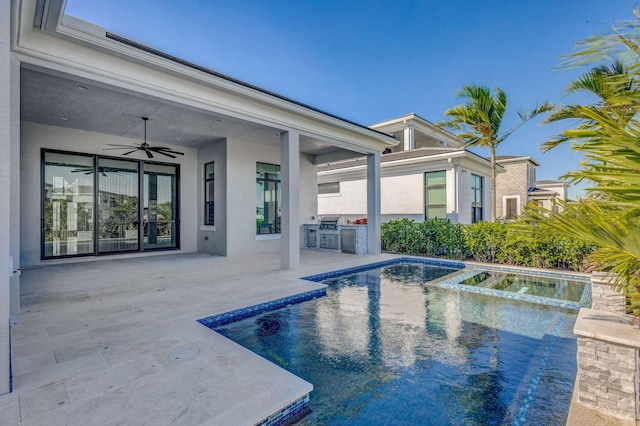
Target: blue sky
[369,61]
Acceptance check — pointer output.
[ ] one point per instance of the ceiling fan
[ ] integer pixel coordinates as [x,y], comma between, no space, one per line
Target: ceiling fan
[144,146]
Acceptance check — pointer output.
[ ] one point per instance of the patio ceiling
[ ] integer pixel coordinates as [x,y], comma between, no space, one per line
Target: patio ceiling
[64,100]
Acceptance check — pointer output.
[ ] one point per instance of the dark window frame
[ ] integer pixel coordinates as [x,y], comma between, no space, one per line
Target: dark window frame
[477,198]
[96,203]
[276,207]
[209,205]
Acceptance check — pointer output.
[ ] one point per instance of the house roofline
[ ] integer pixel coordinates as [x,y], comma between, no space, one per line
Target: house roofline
[50,18]
[513,159]
[151,50]
[421,122]
[397,158]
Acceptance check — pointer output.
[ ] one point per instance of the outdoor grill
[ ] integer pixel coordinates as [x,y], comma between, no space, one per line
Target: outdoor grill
[329,222]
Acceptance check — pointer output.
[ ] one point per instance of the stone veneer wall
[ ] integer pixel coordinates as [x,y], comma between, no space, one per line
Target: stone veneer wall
[607,375]
[607,355]
[603,298]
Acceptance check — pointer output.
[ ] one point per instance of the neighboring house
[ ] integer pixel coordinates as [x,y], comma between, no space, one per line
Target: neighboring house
[242,177]
[517,186]
[546,192]
[428,175]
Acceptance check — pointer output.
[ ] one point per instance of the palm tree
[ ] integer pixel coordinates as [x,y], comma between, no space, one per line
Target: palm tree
[478,119]
[608,135]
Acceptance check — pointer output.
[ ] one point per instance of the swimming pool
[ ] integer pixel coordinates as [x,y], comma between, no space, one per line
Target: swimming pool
[385,347]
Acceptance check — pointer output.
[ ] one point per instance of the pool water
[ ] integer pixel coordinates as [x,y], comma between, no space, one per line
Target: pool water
[386,347]
[555,288]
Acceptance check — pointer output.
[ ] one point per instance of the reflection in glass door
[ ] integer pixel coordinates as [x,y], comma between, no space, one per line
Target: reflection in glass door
[118,206]
[98,205]
[67,205]
[160,206]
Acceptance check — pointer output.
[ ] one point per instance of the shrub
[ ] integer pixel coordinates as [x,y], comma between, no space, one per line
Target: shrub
[533,245]
[485,240]
[428,238]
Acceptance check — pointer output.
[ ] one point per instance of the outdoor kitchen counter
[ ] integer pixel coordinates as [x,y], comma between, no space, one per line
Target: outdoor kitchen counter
[344,238]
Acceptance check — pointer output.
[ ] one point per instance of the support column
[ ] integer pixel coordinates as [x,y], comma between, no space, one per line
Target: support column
[290,181]
[14,288]
[409,138]
[5,189]
[374,241]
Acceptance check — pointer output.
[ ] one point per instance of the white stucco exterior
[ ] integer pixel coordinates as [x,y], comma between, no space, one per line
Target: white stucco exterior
[6,259]
[424,148]
[403,196]
[69,86]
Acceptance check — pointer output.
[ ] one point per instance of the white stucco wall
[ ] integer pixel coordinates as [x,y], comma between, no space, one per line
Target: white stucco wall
[308,193]
[463,215]
[37,136]
[242,156]
[213,239]
[397,195]
[5,188]
[402,194]
[14,205]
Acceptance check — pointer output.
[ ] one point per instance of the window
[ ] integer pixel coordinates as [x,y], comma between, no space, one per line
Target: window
[94,205]
[268,197]
[435,195]
[208,194]
[476,198]
[329,188]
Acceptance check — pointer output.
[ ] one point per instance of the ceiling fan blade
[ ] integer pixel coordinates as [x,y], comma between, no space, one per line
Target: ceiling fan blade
[163,149]
[148,153]
[125,146]
[127,153]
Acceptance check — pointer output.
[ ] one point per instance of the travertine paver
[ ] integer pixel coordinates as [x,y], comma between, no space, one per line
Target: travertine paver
[92,343]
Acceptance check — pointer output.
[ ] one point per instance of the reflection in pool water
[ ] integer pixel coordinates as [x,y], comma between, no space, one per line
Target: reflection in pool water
[385,348]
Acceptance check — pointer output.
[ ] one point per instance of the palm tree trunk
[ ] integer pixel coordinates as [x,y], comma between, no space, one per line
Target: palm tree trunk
[493,182]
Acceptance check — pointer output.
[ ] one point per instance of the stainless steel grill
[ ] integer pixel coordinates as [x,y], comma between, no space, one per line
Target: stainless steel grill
[329,222]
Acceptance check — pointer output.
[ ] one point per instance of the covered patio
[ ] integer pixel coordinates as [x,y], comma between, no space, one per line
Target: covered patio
[95,341]
[112,147]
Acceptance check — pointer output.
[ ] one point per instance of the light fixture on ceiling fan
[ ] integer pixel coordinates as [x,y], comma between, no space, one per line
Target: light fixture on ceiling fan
[144,146]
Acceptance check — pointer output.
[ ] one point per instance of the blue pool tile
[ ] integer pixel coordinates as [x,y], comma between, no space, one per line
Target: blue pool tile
[348,271]
[238,314]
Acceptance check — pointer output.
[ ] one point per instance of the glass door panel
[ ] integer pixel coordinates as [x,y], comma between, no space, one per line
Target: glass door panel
[68,205]
[160,206]
[118,206]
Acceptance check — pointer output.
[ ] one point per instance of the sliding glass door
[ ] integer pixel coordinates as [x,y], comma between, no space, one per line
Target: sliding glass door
[119,205]
[98,205]
[68,203]
[160,206]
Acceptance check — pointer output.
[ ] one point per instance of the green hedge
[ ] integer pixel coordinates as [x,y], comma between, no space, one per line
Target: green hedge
[506,243]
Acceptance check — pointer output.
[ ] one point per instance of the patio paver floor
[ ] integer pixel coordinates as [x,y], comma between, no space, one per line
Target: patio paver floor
[93,340]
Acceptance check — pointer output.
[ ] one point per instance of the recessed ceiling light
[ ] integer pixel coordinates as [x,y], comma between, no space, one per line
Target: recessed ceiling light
[82,87]
[63,118]
[178,139]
